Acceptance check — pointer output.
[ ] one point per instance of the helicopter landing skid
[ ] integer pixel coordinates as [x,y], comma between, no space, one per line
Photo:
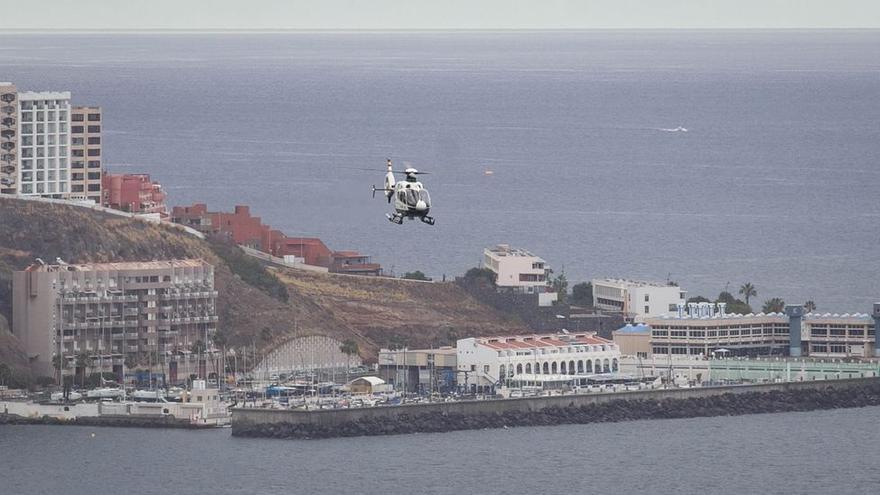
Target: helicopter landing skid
[428,220]
[395,218]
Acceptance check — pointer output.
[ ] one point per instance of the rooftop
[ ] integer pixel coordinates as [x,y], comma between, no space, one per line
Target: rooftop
[44,95]
[728,316]
[633,283]
[506,250]
[125,265]
[532,341]
[639,328]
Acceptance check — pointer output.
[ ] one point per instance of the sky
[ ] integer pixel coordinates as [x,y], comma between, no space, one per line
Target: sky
[436,14]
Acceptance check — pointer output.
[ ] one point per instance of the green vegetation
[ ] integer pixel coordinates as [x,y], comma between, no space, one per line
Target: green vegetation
[480,276]
[250,270]
[416,275]
[559,284]
[774,305]
[748,291]
[698,299]
[734,305]
[810,306]
[582,294]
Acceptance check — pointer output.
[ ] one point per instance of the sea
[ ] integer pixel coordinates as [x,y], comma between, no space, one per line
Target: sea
[707,158]
[802,453]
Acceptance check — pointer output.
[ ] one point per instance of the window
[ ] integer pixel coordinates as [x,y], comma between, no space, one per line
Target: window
[94,117]
[94,175]
[77,164]
[76,129]
[77,117]
[77,141]
[94,152]
[647,309]
[94,129]
[77,188]
[94,140]
[94,187]
[78,153]
[94,163]
[647,298]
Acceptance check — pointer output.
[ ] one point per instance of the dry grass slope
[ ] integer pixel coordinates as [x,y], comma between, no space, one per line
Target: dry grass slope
[374,312]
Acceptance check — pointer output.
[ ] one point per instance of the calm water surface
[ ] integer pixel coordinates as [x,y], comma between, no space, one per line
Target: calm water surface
[774,182]
[790,453]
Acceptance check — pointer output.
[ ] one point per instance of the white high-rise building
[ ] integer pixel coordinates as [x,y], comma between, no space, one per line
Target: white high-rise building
[44,143]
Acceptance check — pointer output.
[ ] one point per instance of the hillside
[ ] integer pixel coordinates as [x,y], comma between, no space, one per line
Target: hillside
[255,307]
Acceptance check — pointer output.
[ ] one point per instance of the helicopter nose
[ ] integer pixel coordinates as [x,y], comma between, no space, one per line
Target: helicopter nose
[421,206]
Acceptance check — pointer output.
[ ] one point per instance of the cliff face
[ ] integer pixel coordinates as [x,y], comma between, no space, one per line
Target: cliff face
[256,305]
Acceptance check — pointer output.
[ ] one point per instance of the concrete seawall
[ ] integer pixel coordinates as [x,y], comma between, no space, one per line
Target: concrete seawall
[585,408]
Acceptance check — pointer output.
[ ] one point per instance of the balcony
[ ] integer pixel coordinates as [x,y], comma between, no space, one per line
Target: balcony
[7,97]
[7,121]
[8,109]
[8,134]
[8,145]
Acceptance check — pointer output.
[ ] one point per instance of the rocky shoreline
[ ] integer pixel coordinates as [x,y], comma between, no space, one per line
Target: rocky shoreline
[727,404]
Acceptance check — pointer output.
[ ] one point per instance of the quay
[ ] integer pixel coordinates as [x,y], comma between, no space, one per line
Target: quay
[562,409]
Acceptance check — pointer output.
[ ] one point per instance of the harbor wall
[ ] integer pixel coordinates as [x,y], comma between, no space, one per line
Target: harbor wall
[563,409]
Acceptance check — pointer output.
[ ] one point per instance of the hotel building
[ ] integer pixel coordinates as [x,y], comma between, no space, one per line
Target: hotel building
[705,330]
[636,299]
[487,362]
[44,143]
[8,138]
[142,312]
[85,150]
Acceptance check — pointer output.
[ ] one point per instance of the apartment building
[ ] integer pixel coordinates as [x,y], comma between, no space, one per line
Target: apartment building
[44,143]
[636,299]
[519,271]
[8,138]
[134,193]
[86,156]
[132,313]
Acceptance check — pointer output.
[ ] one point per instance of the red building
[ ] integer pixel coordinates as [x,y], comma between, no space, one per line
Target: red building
[312,250]
[239,226]
[134,193]
[243,229]
[353,263]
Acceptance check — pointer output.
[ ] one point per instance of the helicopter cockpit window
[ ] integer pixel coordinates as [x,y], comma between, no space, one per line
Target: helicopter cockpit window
[412,197]
[424,196]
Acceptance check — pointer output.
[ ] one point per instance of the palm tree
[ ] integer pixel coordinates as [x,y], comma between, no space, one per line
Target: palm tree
[59,362]
[810,306]
[83,361]
[748,291]
[348,348]
[774,305]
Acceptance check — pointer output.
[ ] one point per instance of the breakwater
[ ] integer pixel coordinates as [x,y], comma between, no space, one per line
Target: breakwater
[556,410]
[119,421]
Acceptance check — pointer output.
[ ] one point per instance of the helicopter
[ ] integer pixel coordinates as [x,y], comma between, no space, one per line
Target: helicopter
[411,199]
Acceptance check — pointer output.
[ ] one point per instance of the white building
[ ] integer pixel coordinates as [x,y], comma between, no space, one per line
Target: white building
[519,271]
[485,362]
[705,329]
[636,299]
[8,138]
[44,143]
